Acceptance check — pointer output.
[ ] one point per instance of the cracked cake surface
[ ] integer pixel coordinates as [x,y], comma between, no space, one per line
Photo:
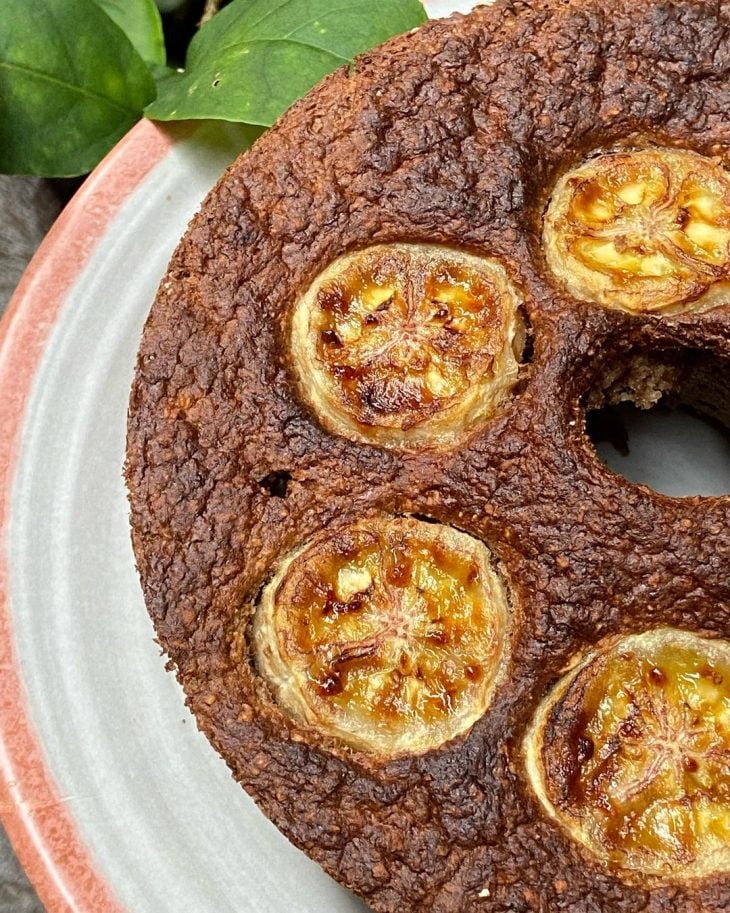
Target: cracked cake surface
[456,136]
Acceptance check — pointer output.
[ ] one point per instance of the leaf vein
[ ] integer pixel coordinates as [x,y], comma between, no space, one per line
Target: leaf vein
[81,90]
[303,25]
[268,14]
[302,44]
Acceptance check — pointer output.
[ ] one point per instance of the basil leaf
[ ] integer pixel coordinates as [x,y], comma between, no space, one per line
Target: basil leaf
[71,85]
[141,22]
[255,57]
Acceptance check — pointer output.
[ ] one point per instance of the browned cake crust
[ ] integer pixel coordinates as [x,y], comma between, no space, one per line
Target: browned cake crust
[453,134]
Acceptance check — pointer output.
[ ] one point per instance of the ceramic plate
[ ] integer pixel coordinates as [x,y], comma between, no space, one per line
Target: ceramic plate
[111,797]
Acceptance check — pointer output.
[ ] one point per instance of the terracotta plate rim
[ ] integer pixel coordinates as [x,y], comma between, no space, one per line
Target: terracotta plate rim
[40,828]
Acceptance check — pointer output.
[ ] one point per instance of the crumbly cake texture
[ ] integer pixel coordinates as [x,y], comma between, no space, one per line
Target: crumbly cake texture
[455,135]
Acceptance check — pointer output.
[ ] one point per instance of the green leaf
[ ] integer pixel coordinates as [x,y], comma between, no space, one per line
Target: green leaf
[141,22]
[163,74]
[71,85]
[255,57]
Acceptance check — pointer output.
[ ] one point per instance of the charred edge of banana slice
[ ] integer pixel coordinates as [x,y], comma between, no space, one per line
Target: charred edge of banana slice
[646,231]
[389,636]
[407,344]
[630,753]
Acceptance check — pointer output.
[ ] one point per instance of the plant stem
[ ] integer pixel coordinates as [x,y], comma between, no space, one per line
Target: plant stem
[211,8]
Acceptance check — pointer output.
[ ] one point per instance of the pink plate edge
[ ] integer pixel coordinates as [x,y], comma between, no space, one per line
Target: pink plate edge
[38,823]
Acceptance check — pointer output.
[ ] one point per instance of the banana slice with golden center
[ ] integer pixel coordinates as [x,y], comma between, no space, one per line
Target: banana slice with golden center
[631,754]
[407,343]
[390,635]
[643,231]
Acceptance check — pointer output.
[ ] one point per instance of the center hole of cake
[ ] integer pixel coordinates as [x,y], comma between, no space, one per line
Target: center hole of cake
[674,438]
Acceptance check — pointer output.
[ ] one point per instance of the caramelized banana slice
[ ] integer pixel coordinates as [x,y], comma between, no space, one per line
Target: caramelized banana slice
[645,231]
[631,754]
[407,343]
[389,636]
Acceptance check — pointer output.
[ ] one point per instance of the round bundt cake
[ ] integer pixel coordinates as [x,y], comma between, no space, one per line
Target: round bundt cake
[453,656]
